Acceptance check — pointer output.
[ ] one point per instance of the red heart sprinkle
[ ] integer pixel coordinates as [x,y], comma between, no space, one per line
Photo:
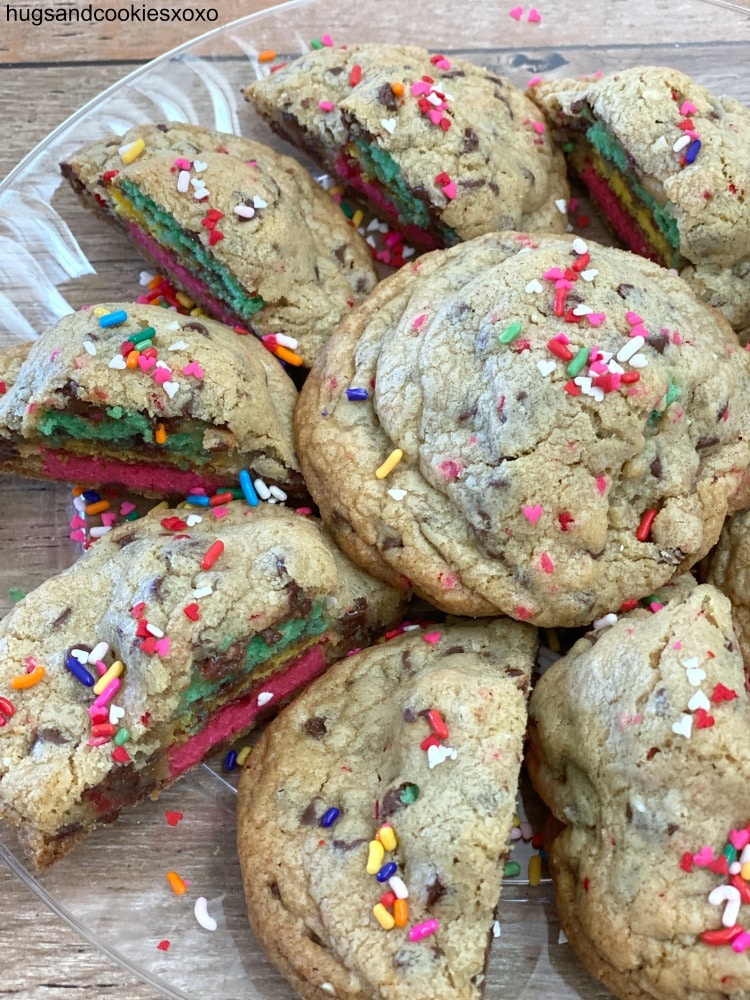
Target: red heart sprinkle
[120,755]
[163,945]
[173,818]
[686,862]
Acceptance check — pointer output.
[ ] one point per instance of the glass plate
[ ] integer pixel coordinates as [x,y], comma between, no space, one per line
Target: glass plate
[54,257]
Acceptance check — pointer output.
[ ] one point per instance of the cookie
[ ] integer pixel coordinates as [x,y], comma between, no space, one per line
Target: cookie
[729,570]
[668,163]
[415,743]
[443,149]
[554,428]
[637,744]
[140,396]
[213,622]
[242,229]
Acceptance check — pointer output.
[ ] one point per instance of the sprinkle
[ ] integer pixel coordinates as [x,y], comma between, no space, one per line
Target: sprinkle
[357,394]
[325,105]
[160,434]
[559,349]
[578,362]
[202,916]
[731,897]
[400,912]
[387,871]
[244,211]
[397,89]
[113,318]
[109,675]
[176,883]
[213,554]
[192,611]
[389,124]
[534,16]
[721,693]
[389,464]
[439,754]
[243,755]
[535,869]
[329,817]
[683,141]
[183,181]
[516,13]
[533,287]
[16,594]
[579,246]
[510,333]
[289,356]
[263,698]
[173,818]
[423,930]
[437,725]
[248,490]
[383,917]
[355,75]
[561,205]
[683,727]
[230,761]
[450,190]
[546,366]
[131,151]
[120,755]
[267,55]
[533,514]
[632,347]
[644,528]
[692,151]
[432,638]
[79,671]
[164,945]
[546,563]
[23,681]
[198,501]
[202,591]
[398,886]
[375,855]
[601,623]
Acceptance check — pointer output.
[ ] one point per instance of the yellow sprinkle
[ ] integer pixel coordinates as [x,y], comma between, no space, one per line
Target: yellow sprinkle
[243,755]
[114,671]
[516,820]
[387,837]
[160,434]
[163,505]
[535,869]
[100,311]
[185,301]
[745,871]
[267,55]
[335,190]
[178,886]
[375,856]
[400,913]
[133,151]
[553,640]
[197,311]
[390,464]
[357,218]
[383,917]
[27,680]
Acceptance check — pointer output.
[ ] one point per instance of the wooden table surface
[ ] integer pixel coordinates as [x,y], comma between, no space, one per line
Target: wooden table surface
[50,70]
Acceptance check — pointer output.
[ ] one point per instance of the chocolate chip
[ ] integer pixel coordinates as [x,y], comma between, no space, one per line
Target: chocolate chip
[435,891]
[316,727]
[658,341]
[62,617]
[386,96]
[705,441]
[198,327]
[471,140]
[656,468]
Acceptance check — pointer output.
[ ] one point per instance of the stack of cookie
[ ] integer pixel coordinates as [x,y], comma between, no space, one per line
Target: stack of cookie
[526,428]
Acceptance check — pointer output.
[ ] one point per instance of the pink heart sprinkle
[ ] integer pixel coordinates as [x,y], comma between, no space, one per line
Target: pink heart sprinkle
[639,330]
[146,364]
[596,319]
[162,646]
[78,536]
[546,563]
[419,87]
[162,375]
[739,838]
[633,317]
[443,64]
[193,369]
[450,190]
[220,512]
[182,164]
[534,16]
[554,274]
[325,105]
[601,484]
[533,513]
[327,40]
[516,13]
[432,638]
[418,321]
[539,127]
[564,283]
[126,507]
[77,522]
[687,108]
[704,857]
[435,116]
[109,518]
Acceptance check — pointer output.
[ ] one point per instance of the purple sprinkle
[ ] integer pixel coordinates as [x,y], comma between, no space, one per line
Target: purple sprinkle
[692,151]
[357,394]
[329,816]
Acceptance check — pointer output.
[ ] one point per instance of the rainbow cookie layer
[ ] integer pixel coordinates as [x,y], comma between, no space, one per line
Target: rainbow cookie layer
[173,635]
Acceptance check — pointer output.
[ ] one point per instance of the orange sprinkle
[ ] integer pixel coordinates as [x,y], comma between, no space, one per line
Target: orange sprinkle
[78,490]
[267,55]
[397,89]
[401,913]
[178,885]
[155,282]
[160,434]
[132,359]
[97,508]
[28,680]
[289,356]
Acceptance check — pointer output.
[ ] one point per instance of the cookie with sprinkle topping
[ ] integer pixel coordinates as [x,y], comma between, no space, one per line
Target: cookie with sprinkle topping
[668,163]
[637,744]
[171,636]
[374,815]
[530,425]
[443,149]
[140,396]
[242,229]
[729,570]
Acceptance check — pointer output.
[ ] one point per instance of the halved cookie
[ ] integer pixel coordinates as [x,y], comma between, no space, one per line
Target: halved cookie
[396,773]
[244,230]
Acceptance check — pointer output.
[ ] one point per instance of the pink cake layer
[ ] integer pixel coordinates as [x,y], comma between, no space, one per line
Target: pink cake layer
[233,719]
[619,219]
[351,172]
[140,478]
[192,285]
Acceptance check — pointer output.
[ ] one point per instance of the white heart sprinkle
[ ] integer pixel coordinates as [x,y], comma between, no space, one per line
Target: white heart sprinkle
[118,361]
[579,246]
[259,202]
[89,347]
[174,326]
[179,345]
[203,591]
[695,675]
[397,494]
[533,286]
[683,726]
[80,654]
[699,700]
[192,519]
[163,364]
[389,124]
[589,274]
[661,143]
[264,697]
[199,165]
[562,205]
[546,367]
[115,714]
[582,309]
[437,754]
[694,661]
[639,361]
[496,929]
[171,388]
[145,277]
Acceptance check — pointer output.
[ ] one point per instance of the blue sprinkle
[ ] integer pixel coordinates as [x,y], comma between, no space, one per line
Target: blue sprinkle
[79,671]
[91,496]
[248,490]
[329,816]
[113,318]
[198,500]
[357,394]
[692,151]
[388,869]
[230,761]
